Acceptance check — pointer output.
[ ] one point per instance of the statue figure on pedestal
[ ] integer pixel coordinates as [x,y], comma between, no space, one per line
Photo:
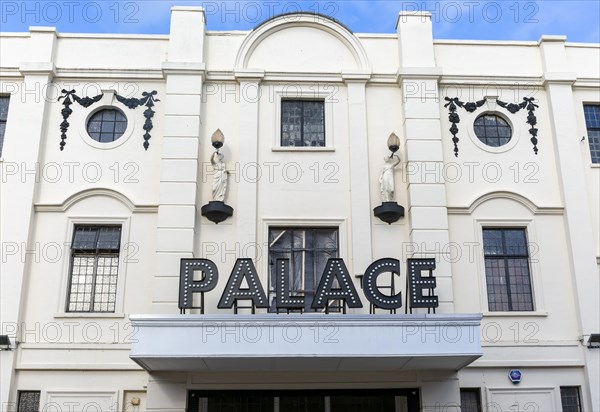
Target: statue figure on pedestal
[388,192]
[389,211]
[219,186]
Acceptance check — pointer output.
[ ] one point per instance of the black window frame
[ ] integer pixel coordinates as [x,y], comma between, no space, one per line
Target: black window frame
[477,393]
[593,138]
[302,102]
[308,294]
[563,395]
[506,257]
[120,117]
[21,407]
[485,139]
[3,121]
[96,253]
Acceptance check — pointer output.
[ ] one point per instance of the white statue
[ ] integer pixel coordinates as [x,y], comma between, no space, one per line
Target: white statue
[219,187]
[386,179]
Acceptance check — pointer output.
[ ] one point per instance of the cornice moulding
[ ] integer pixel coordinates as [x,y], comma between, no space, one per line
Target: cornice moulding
[37,68]
[249,74]
[169,67]
[484,80]
[141,74]
[360,77]
[559,77]
[419,73]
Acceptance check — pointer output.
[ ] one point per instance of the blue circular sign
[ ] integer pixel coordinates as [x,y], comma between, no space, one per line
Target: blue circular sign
[515,376]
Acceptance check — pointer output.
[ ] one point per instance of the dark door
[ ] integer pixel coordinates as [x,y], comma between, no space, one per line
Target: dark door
[378,400]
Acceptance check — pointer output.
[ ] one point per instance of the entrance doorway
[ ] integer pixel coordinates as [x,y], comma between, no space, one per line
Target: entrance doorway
[378,400]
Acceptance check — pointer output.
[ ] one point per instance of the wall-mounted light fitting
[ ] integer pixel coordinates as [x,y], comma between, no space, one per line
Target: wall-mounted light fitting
[217,139]
[389,211]
[217,211]
[393,143]
[5,343]
[594,341]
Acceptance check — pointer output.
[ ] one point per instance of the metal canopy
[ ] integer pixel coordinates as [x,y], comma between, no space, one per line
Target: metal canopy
[305,342]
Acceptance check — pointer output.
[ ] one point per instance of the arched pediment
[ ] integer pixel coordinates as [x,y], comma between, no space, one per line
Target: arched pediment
[302,42]
[512,196]
[85,194]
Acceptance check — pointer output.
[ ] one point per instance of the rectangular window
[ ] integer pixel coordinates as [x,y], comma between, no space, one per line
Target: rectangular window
[507,269]
[303,123]
[3,117]
[308,250]
[592,123]
[94,269]
[29,401]
[570,398]
[470,400]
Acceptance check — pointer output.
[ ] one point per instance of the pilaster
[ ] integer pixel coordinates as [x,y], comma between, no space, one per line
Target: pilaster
[22,146]
[558,81]
[178,188]
[361,255]
[247,189]
[427,212]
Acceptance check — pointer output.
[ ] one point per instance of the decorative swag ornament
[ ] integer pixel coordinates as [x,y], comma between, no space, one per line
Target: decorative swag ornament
[147,100]
[70,97]
[527,103]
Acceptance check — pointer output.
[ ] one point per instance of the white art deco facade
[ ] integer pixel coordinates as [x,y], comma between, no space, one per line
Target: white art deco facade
[102,194]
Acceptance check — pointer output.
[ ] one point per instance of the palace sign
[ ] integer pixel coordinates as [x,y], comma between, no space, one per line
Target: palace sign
[335,285]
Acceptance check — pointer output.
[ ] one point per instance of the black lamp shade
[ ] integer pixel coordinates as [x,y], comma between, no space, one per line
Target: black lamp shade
[217,139]
[393,143]
[594,340]
[4,342]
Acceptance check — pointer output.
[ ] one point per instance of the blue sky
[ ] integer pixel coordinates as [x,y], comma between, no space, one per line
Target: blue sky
[579,20]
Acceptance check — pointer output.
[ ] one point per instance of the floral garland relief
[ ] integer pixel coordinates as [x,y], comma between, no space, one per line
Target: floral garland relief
[454,118]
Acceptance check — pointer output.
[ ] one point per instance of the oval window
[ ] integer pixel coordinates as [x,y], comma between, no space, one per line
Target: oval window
[492,130]
[107,125]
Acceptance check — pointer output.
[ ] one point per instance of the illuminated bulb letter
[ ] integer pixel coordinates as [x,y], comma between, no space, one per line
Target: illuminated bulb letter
[372,292]
[335,269]
[243,270]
